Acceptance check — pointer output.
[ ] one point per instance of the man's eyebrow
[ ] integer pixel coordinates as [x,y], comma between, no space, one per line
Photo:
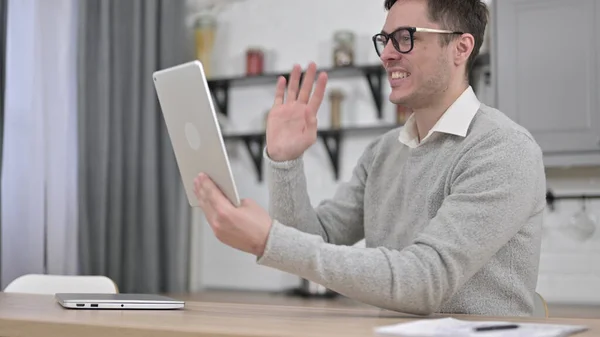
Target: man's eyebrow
[398,27]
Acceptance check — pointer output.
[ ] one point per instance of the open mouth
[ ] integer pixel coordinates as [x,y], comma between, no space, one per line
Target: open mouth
[399,75]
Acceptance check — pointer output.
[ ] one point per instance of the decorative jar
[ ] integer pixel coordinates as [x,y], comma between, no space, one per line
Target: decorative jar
[343,51]
[255,61]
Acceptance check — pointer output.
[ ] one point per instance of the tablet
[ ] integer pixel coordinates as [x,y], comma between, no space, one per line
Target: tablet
[188,110]
[117,301]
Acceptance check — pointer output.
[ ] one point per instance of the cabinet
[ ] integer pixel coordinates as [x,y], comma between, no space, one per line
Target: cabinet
[547,70]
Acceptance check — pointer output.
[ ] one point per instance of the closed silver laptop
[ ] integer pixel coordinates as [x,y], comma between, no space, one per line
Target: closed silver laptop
[117,301]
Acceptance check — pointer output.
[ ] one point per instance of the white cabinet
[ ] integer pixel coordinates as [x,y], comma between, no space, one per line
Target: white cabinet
[547,72]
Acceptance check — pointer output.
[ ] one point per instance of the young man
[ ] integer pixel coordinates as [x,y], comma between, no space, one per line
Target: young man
[450,206]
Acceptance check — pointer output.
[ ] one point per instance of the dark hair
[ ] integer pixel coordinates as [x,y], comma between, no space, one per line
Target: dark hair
[469,16]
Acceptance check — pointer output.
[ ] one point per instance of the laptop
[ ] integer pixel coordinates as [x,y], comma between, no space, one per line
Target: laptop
[188,110]
[117,301]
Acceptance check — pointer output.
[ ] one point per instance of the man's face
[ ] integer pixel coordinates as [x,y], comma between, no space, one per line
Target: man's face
[423,73]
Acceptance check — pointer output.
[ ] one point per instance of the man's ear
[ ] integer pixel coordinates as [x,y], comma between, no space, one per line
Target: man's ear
[464,48]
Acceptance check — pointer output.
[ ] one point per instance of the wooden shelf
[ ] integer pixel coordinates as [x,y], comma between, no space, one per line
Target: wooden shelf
[331,139]
[373,73]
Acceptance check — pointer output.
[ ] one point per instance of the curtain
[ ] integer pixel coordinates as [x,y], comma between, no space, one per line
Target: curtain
[134,219]
[3,16]
[39,140]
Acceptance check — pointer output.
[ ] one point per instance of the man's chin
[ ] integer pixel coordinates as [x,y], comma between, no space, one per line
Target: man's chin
[402,98]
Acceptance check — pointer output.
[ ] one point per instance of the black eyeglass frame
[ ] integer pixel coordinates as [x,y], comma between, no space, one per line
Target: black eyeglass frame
[411,31]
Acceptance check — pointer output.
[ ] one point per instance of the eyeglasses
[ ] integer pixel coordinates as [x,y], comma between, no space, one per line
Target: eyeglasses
[403,38]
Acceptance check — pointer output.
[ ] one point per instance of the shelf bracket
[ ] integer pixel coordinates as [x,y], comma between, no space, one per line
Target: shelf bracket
[331,141]
[374,77]
[220,91]
[255,145]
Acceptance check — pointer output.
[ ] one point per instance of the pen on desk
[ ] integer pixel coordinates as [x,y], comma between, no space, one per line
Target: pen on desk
[496,327]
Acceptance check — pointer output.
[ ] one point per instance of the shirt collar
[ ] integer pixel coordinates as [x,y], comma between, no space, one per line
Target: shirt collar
[456,120]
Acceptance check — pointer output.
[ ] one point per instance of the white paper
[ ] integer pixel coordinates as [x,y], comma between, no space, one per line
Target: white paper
[451,327]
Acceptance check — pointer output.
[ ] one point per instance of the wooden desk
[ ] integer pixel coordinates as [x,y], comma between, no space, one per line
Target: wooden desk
[39,315]
[558,310]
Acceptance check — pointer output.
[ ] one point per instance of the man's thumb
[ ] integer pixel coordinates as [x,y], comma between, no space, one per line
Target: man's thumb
[247,202]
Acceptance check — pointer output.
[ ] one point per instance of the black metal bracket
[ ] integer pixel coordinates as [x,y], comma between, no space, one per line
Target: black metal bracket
[220,91]
[332,142]
[374,77]
[551,198]
[332,139]
[255,145]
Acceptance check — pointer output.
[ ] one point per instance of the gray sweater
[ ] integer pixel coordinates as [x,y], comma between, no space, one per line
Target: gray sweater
[452,226]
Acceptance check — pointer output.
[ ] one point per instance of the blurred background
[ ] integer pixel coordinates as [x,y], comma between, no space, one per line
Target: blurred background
[89,180]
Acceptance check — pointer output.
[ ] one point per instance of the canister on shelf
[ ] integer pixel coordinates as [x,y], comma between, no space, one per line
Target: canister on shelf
[204,31]
[254,61]
[336,96]
[343,51]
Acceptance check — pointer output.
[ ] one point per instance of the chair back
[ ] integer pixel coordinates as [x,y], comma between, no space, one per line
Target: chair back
[52,284]
[540,308]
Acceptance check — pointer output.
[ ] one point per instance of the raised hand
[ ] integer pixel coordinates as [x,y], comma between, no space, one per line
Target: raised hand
[292,122]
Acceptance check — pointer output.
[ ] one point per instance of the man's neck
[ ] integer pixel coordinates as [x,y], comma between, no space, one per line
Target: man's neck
[427,116]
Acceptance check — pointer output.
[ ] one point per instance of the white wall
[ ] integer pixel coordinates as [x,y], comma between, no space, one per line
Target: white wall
[283,29]
[569,269]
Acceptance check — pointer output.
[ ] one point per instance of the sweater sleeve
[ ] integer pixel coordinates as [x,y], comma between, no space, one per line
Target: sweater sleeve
[497,186]
[338,220]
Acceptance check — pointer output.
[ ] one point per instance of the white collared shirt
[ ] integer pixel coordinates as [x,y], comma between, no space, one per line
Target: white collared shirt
[455,120]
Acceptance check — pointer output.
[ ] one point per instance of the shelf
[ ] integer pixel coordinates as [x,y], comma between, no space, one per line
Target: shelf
[551,198]
[331,139]
[373,74]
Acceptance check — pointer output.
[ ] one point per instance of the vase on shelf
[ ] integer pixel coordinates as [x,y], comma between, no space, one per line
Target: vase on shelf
[336,96]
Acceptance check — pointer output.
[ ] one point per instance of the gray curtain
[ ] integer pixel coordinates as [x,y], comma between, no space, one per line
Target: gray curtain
[3,27]
[134,218]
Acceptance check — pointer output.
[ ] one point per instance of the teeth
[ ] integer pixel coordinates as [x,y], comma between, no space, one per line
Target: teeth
[399,74]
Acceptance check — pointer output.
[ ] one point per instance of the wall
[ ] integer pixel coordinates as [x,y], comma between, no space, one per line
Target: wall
[569,269]
[570,265]
[282,28]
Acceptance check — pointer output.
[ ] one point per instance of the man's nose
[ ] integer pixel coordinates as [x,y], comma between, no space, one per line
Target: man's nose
[390,53]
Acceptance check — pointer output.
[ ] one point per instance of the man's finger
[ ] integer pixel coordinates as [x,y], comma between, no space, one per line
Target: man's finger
[317,96]
[200,194]
[197,187]
[293,84]
[247,202]
[307,83]
[212,193]
[279,91]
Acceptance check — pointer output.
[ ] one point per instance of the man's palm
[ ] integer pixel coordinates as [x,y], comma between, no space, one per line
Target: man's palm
[292,124]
